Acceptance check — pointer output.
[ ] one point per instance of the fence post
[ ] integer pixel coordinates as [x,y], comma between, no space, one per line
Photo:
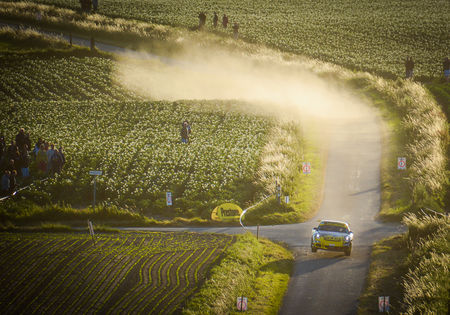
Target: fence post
[92,43]
[257,232]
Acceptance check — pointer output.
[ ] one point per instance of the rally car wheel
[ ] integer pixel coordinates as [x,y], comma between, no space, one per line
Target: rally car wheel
[313,249]
[348,251]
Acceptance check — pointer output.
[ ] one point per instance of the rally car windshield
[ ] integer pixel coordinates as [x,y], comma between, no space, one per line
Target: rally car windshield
[333,228]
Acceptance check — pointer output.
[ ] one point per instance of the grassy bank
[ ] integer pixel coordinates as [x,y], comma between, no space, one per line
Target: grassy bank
[412,269]
[256,269]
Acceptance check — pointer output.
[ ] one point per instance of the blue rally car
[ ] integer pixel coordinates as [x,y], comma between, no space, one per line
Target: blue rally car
[332,235]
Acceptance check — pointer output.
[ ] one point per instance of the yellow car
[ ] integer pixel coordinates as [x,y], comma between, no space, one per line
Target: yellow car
[332,235]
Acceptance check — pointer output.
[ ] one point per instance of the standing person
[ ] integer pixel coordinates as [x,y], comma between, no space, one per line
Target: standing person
[56,163]
[215,19]
[41,159]
[62,156]
[12,151]
[201,20]
[2,145]
[21,139]
[5,182]
[24,161]
[185,131]
[50,153]
[225,21]
[409,67]
[37,147]
[236,30]
[95,5]
[12,182]
[446,65]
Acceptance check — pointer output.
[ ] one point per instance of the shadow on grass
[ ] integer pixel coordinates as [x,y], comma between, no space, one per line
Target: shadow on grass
[278,266]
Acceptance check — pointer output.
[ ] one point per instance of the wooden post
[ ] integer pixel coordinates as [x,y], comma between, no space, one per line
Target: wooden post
[70,39]
[257,232]
[92,43]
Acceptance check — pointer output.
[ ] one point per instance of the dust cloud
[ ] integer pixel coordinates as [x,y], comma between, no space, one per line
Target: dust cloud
[276,84]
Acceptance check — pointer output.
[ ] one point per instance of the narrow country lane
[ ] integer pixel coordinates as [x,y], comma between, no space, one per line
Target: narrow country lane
[326,282]
[329,282]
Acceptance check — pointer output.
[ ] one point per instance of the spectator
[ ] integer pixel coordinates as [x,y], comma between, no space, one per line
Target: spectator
[5,182]
[2,145]
[225,21]
[95,5]
[63,157]
[27,141]
[21,138]
[446,65]
[201,20]
[185,131]
[37,147]
[56,162]
[215,19]
[11,165]
[24,162]
[12,182]
[12,151]
[409,67]
[41,159]
[236,30]
[50,153]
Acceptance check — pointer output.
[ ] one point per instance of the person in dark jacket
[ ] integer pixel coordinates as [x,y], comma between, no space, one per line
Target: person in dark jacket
[24,162]
[21,138]
[201,20]
[215,19]
[409,67]
[12,182]
[185,132]
[225,21]
[5,182]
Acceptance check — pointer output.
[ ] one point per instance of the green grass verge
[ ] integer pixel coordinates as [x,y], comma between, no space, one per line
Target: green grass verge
[388,265]
[256,269]
[412,269]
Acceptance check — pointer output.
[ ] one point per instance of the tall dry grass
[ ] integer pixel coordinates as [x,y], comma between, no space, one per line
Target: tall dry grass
[427,283]
[91,24]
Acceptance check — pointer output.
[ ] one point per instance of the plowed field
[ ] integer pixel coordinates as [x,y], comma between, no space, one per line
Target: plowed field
[120,273]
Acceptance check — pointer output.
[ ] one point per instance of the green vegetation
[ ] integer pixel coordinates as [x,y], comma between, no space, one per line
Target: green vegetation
[412,269]
[367,35]
[136,144]
[152,272]
[146,272]
[256,269]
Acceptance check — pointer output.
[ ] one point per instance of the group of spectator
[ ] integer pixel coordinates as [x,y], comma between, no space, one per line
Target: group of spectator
[16,158]
[202,22]
[409,68]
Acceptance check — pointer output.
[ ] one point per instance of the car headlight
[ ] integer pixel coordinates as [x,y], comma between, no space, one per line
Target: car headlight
[316,236]
[347,238]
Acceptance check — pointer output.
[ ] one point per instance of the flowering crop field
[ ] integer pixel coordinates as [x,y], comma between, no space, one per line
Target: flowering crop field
[69,79]
[135,143]
[150,273]
[372,35]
